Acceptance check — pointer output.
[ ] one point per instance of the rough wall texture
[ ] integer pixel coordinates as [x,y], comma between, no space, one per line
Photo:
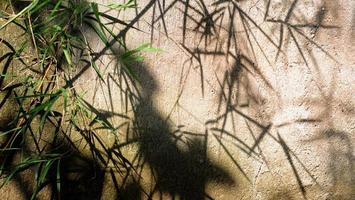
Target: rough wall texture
[248,100]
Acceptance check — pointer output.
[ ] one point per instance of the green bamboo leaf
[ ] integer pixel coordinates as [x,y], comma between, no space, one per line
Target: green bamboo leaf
[98,72]
[101,35]
[65,97]
[130,57]
[123,6]
[67,56]
[55,9]
[94,7]
[40,6]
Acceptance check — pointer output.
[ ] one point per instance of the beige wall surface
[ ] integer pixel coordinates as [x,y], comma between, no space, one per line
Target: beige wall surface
[248,99]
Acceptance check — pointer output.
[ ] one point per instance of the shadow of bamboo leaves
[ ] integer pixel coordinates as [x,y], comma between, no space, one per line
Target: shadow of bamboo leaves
[187,173]
[291,162]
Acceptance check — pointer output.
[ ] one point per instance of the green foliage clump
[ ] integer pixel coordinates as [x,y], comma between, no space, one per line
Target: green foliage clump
[56,35]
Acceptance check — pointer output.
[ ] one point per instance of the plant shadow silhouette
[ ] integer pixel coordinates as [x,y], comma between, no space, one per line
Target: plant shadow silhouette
[180,168]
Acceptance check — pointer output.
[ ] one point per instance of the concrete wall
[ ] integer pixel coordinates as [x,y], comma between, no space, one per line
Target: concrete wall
[248,100]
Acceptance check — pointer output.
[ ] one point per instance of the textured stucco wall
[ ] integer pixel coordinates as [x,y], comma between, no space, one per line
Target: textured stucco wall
[248,100]
[299,96]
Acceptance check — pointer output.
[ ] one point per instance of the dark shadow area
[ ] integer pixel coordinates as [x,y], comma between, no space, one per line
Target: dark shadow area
[81,178]
[180,167]
[131,191]
[341,162]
